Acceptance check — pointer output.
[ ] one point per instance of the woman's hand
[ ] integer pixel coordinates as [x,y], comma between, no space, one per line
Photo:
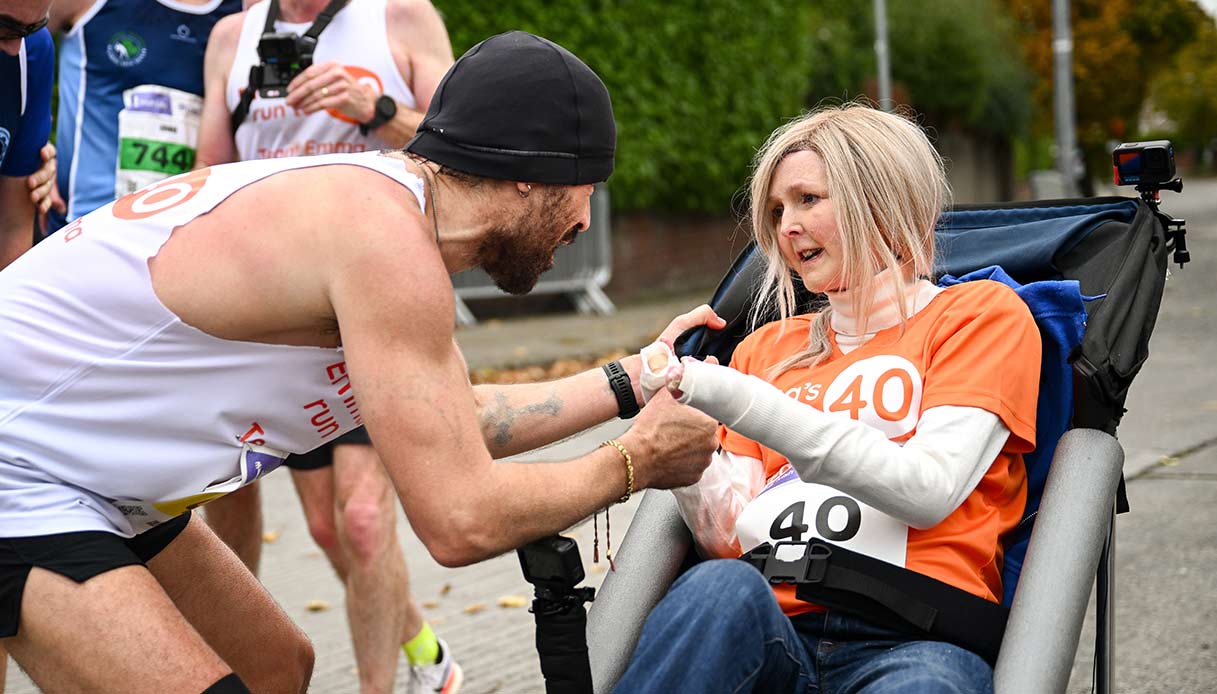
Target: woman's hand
[677,372]
[702,315]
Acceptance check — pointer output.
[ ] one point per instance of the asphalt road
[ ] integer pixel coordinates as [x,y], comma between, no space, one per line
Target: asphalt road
[1166,580]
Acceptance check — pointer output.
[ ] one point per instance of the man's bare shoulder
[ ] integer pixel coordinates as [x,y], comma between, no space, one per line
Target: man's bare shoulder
[413,20]
[386,273]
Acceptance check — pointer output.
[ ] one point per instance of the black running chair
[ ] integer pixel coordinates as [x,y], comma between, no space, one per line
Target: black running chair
[1117,249]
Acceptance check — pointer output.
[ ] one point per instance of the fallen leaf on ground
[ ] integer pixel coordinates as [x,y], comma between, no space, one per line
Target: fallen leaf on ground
[513,601]
[475,608]
[270,536]
[445,589]
[430,604]
[317,606]
[598,568]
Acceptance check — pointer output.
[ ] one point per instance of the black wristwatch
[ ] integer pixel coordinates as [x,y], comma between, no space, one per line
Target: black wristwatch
[623,389]
[384,111]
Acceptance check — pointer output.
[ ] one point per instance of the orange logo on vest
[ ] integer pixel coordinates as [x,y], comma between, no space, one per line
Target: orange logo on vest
[161,195]
[362,76]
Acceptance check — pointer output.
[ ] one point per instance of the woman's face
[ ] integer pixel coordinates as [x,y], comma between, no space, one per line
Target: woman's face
[802,214]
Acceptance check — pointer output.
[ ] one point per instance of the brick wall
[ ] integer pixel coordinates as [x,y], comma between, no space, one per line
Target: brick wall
[655,255]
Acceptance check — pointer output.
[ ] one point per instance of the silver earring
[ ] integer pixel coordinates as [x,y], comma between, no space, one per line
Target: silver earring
[524,193]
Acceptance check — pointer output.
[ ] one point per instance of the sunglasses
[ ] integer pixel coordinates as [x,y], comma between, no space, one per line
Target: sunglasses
[11,29]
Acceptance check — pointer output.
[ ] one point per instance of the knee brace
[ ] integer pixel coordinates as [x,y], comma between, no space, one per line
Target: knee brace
[228,684]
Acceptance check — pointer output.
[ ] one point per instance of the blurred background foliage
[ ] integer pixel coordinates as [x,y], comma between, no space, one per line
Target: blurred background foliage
[1122,49]
[697,85]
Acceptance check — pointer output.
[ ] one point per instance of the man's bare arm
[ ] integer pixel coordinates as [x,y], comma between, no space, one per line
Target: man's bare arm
[216,139]
[520,417]
[422,51]
[395,309]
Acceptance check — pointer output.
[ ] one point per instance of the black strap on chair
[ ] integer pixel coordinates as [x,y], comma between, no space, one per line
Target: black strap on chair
[255,71]
[886,594]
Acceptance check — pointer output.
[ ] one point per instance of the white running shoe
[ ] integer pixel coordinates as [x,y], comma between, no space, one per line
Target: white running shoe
[444,677]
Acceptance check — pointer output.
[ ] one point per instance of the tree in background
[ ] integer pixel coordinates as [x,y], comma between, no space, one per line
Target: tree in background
[1188,93]
[697,85]
[1119,48]
[956,61]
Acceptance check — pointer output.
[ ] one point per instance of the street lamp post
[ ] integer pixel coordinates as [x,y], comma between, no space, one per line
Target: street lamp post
[1062,88]
[883,63]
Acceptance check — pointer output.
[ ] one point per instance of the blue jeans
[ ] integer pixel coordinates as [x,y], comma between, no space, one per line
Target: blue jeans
[720,629]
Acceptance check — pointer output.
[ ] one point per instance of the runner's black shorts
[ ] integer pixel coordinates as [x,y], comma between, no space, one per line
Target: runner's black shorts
[79,556]
[323,456]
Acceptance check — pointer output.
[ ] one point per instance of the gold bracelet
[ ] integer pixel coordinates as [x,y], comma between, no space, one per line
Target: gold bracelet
[629,468]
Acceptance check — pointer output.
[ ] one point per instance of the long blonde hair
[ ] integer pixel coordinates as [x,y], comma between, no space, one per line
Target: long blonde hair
[888,187]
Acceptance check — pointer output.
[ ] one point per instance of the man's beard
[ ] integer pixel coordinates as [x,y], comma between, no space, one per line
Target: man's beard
[515,254]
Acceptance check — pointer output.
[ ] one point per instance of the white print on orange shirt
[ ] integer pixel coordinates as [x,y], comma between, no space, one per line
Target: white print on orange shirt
[808,392]
[883,392]
[310,148]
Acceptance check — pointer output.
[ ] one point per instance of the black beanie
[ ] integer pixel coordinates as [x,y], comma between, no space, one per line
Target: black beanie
[520,108]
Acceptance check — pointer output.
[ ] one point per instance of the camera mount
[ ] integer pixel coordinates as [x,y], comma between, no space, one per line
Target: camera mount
[553,566]
[1176,229]
[1150,167]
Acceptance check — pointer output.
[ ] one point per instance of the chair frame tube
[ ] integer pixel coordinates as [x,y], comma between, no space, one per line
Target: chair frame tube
[1072,527]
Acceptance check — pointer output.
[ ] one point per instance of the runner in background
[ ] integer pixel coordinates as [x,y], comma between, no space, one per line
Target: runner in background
[130,94]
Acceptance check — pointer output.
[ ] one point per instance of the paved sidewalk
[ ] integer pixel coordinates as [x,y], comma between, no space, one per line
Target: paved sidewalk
[544,339]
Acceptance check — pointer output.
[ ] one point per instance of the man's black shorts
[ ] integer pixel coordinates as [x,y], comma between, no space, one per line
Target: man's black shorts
[79,556]
[323,456]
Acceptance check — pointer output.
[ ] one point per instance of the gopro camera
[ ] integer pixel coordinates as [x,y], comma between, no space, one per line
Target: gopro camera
[552,562]
[1144,163]
[284,55]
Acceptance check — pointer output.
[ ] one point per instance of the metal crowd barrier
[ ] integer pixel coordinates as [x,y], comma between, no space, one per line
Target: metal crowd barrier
[581,269]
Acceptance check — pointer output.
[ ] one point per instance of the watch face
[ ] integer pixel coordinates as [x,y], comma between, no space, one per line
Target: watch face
[386,107]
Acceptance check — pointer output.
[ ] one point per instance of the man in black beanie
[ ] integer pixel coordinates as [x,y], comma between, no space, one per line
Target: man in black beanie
[225,318]
[520,108]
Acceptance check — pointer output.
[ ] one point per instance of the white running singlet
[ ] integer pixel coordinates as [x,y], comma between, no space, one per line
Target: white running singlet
[356,39]
[114,414]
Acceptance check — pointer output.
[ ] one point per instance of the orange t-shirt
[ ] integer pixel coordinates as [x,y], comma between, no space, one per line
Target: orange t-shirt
[974,345]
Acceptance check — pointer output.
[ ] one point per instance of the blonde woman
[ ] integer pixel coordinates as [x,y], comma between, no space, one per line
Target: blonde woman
[891,422]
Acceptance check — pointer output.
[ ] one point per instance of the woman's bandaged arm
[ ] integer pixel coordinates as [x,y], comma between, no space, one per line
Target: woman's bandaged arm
[919,483]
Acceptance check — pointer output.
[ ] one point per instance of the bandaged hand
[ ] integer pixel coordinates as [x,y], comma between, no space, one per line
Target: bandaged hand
[661,369]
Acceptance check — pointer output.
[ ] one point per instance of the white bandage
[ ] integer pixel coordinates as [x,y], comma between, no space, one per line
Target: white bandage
[657,359]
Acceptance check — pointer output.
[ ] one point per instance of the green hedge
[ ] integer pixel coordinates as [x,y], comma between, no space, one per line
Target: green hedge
[697,85]
[954,61]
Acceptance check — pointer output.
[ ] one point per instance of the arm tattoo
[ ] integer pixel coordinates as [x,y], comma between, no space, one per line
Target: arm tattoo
[499,417]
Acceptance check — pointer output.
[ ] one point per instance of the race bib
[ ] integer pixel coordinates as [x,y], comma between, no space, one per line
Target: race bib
[255,462]
[158,129]
[789,509]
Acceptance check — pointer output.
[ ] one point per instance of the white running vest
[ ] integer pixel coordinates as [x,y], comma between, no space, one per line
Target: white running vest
[357,39]
[114,414]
